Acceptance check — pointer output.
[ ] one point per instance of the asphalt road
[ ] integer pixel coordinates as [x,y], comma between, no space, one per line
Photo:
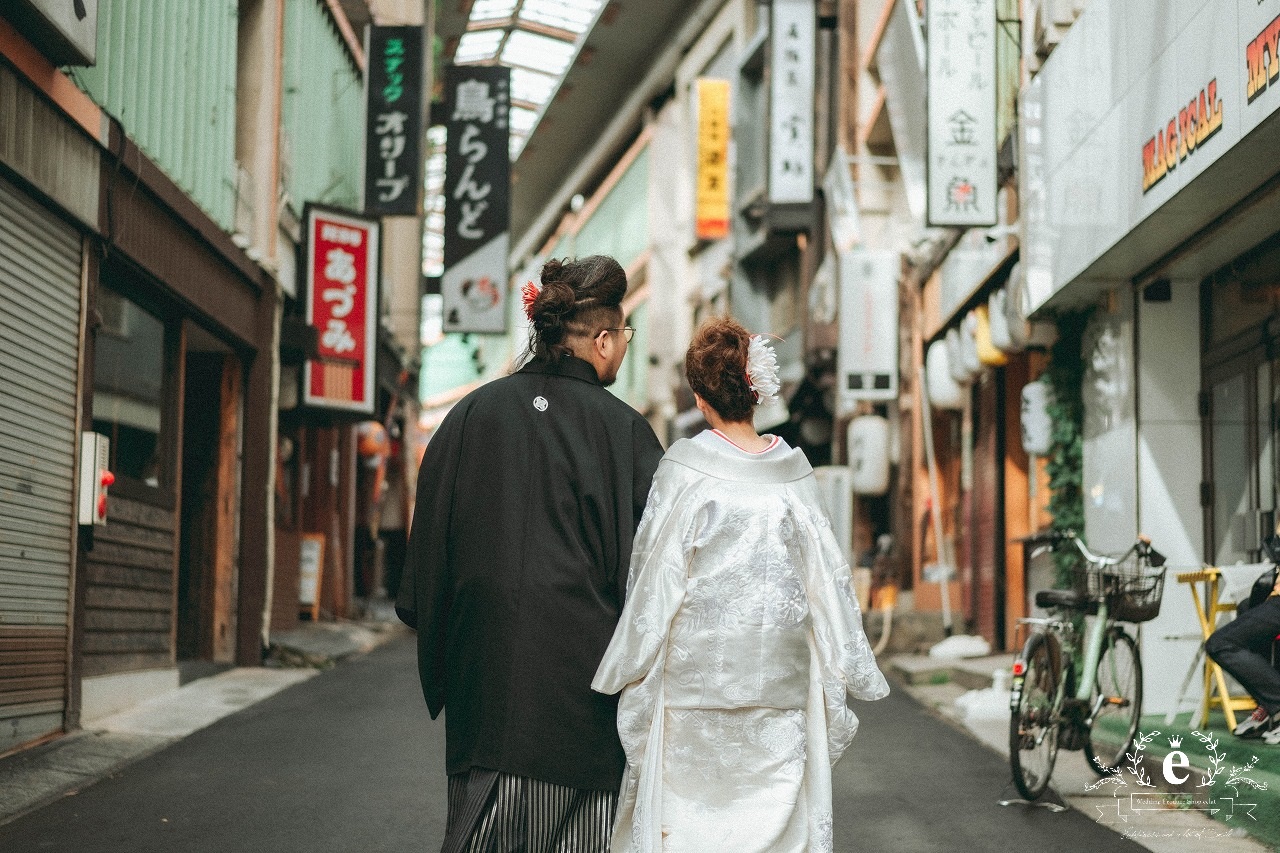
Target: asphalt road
[349,761]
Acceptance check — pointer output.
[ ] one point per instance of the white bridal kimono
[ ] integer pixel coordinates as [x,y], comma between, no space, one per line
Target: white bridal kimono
[739,644]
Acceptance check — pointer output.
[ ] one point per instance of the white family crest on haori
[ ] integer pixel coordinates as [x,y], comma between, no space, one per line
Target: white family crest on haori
[762,370]
[739,646]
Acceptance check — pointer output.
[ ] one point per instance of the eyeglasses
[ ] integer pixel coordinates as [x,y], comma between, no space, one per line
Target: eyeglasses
[627,331]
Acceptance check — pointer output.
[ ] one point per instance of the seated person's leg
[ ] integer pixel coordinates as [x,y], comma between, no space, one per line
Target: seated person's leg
[1242,647]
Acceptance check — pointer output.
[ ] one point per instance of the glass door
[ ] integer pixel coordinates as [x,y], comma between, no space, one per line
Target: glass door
[1239,491]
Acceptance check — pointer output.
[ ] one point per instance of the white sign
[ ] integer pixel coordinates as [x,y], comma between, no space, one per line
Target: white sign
[791,102]
[867,365]
[65,30]
[962,112]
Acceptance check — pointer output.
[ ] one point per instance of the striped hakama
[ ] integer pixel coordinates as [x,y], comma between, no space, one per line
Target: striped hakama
[493,812]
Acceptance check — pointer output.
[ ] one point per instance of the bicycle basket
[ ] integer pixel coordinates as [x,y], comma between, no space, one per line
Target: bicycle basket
[1133,589]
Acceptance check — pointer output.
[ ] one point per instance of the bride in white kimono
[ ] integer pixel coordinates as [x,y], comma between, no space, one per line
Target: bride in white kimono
[741,638]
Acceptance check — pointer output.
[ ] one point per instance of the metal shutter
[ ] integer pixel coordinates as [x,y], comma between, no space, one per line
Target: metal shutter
[39,359]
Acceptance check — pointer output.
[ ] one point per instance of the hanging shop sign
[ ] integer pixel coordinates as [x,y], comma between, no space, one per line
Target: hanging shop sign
[867,364]
[393,131]
[342,304]
[477,196]
[712,220]
[65,31]
[962,112]
[791,102]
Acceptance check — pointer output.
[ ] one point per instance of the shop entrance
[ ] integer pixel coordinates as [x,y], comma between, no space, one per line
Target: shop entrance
[1238,404]
[209,549]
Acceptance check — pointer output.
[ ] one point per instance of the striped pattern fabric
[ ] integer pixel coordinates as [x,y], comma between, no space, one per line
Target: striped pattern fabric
[492,812]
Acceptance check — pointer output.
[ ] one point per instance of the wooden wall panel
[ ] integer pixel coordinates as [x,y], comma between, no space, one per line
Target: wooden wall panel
[129,595]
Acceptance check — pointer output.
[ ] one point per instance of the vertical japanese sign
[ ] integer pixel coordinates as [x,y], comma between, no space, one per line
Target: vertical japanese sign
[962,112]
[712,222]
[791,102]
[342,303]
[476,198]
[867,367]
[393,133]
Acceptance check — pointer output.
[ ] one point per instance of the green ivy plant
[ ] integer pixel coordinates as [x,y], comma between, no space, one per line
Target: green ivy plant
[1065,466]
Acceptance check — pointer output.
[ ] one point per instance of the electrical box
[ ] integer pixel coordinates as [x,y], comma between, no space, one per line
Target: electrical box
[95,478]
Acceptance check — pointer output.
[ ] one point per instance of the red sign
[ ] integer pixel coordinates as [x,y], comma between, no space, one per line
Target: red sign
[342,303]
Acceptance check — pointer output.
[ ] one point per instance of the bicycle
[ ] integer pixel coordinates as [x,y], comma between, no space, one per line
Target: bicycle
[1078,684]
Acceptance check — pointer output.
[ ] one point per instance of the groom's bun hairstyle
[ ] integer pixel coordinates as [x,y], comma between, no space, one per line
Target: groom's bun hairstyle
[716,366]
[578,297]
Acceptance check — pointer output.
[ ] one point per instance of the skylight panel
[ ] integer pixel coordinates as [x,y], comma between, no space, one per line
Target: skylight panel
[521,120]
[538,52]
[531,86]
[491,10]
[576,16]
[478,45]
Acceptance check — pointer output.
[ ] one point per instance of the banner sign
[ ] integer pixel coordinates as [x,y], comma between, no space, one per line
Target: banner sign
[342,303]
[393,130]
[791,102]
[476,199]
[962,112]
[867,361]
[713,160]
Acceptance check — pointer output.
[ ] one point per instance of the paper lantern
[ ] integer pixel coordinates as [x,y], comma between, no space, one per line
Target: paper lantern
[868,438]
[944,392]
[988,354]
[955,361]
[998,321]
[1037,426]
[969,345]
[1016,307]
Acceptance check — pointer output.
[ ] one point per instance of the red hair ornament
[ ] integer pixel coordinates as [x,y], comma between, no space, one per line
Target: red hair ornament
[529,295]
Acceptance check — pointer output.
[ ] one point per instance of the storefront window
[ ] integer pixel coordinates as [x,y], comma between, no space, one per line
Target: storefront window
[128,382]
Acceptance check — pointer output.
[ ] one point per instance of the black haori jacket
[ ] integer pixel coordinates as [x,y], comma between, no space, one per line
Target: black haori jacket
[528,497]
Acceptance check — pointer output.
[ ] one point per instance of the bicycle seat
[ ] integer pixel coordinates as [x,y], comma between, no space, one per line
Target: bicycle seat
[1067,599]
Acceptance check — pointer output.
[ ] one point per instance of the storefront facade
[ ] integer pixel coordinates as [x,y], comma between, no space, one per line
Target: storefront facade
[1150,195]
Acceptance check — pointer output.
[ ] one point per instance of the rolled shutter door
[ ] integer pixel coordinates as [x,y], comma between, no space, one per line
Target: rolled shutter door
[39,359]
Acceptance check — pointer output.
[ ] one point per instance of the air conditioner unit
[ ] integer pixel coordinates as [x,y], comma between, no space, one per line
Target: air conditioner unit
[1052,19]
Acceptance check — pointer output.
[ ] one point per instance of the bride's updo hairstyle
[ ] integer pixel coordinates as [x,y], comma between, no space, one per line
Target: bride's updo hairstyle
[578,298]
[716,366]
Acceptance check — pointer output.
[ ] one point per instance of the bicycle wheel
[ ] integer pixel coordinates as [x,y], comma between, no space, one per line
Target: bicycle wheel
[1119,683]
[1033,729]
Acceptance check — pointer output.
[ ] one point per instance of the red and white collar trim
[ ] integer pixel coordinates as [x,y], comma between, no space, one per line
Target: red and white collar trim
[773,442]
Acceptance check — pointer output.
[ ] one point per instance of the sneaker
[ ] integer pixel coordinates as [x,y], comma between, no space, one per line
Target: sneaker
[1272,737]
[1256,725]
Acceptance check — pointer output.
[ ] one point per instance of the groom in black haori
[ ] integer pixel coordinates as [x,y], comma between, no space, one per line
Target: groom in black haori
[528,498]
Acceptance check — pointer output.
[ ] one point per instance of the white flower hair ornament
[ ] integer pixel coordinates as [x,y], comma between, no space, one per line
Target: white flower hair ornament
[762,370]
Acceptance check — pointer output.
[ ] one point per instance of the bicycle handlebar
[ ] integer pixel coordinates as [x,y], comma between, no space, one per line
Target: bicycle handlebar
[1054,537]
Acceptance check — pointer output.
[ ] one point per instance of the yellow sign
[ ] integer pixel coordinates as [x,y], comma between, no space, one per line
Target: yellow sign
[713,160]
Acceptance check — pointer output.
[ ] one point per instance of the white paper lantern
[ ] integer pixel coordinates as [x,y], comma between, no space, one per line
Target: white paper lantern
[1016,307]
[1037,427]
[944,391]
[955,360]
[969,345]
[1001,336]
[868,438]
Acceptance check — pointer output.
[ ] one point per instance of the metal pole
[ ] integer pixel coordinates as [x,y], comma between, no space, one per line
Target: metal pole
[935,497]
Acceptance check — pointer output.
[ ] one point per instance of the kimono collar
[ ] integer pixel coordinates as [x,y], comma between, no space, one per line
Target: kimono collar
[715,457]
[569,365]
